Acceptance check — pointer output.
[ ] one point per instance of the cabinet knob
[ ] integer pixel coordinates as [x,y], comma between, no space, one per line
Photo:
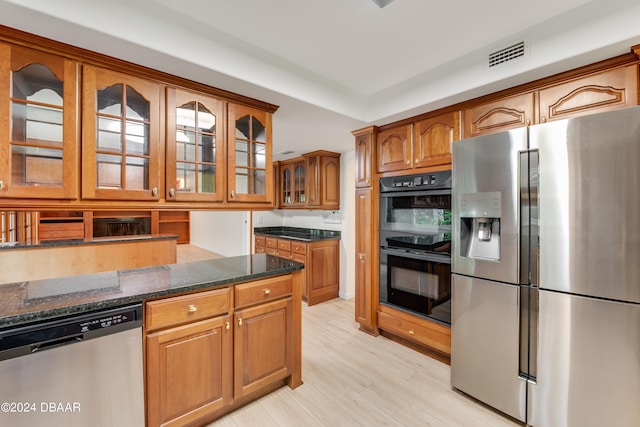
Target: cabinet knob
[240,321]
[417,161]
[544,119]
[362,257]
[192,308]
[154,191]
[172,192]
[528,122]
[233,194]
[408,162]
[267,291]
[366,181]
[411,332]
[227,325]
[1,185]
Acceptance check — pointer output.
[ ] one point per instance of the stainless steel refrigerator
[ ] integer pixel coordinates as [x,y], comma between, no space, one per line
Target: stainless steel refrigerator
[546,271]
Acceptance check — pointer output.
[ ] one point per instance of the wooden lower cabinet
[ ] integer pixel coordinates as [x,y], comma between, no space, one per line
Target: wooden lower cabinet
[321,259]
[210,352]
[428,335]
[189,372]
[262,346]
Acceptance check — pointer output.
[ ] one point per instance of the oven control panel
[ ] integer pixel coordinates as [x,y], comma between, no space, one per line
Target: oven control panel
[428,181]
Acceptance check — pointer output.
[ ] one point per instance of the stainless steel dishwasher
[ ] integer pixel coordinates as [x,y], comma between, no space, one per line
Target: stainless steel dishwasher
[84,370]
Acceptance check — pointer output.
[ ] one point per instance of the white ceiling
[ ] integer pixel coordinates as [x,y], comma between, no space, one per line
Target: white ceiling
[337,65]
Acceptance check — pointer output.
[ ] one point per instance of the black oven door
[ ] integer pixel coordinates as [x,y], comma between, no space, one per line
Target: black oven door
[418,283]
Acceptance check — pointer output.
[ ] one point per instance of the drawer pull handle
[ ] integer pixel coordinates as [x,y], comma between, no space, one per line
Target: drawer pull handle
[240,321]
[227,325]
[411,332]
[192,308]
[267,291]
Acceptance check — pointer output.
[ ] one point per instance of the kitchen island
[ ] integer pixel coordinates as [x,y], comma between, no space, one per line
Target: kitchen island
[229,329]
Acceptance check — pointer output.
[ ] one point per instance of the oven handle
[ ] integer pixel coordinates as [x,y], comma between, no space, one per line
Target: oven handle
[444,259]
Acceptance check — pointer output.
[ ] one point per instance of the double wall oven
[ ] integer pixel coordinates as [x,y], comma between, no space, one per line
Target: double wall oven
[415,244]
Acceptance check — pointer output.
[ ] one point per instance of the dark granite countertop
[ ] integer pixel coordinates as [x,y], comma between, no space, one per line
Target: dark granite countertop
[26,302]
[93,241]
[296,233]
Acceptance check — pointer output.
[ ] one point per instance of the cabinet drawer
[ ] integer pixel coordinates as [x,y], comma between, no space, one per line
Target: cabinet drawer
[284,254]
[284,245]
[262,290]
[299,248]
[427,333]
[187,308]
[261,241]
[271,242]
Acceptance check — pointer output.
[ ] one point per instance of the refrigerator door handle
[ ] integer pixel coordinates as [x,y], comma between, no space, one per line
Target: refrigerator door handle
[528,213]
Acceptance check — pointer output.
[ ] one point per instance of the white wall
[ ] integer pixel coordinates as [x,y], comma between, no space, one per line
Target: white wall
[319,220]
[223,232]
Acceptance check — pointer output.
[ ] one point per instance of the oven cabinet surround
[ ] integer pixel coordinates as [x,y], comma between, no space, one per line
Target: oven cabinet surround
[422,143]
[107,132]
[311,181]
[319,253]
[408,147]
[206,352]
[39,127]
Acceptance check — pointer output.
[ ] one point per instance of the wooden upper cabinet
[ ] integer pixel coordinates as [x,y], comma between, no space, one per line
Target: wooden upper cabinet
[603,91]
[249,166]
[38,126]
[394,149]
[291,180]
[323,179]
[311,181]
[433,138]
[195,147]
[503,114]
[121,136]
[364,156]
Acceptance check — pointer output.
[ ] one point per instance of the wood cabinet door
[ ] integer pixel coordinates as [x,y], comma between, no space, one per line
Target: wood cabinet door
[433,138]
[364,156]
[38,126]
[249,155]
[313,172]
[189,371]
[121,136]
[330,182]
[323,271]
[365,298]
[263,345]
[500,115]
[195,155]
[394,149]
[603,91]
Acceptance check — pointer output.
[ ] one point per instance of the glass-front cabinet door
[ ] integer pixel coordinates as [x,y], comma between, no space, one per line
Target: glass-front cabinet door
[38,126]
[195,147]
[121,136]
[250,172]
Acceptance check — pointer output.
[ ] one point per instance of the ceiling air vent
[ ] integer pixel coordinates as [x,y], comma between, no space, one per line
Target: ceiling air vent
[507,54]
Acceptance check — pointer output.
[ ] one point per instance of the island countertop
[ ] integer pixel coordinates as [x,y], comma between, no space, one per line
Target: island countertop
[27,302]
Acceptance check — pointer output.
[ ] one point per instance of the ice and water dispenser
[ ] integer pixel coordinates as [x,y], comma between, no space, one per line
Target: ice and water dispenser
[479,215]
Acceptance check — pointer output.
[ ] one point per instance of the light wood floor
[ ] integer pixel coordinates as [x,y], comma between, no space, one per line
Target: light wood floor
[354,379]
